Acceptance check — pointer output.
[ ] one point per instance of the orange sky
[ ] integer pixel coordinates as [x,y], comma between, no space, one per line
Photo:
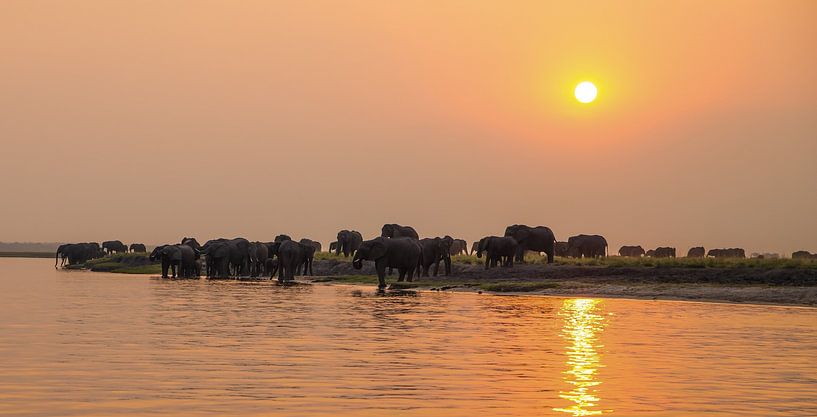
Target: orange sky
[146,121]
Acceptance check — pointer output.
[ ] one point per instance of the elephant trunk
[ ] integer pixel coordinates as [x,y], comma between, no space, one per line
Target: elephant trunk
[357,262]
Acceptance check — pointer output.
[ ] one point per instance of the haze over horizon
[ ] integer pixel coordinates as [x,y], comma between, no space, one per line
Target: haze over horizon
[149,121]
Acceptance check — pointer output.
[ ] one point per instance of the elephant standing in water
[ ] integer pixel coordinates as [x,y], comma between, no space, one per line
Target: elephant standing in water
[436,250]
[177,258]
[500,250]
[536,239]
[290,258]
[588,246]
[137,248]
[348,242]
[696,252]
[77,253]
[258,254]
[227,257]
[114,246]
[395,230]
[405,254]
[631,251]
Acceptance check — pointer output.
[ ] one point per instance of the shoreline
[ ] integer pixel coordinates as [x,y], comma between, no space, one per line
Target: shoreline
[740,295]
[784,286]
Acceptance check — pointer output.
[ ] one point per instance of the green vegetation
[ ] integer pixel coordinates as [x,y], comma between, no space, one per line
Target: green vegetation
[125,263]
[327,256]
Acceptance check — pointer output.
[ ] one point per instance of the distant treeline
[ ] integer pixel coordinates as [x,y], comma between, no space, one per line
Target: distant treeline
[50,247]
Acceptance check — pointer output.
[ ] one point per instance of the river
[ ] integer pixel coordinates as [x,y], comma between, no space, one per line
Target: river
[77,343]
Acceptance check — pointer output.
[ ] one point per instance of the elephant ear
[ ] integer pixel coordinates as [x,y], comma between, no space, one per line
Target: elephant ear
[378,249]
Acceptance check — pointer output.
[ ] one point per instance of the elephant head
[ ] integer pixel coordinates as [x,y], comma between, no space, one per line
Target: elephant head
[369,250]
[482,246]
[156,253]
[387,230]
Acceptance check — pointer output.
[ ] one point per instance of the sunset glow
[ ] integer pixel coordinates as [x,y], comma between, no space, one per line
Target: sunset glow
[585,92]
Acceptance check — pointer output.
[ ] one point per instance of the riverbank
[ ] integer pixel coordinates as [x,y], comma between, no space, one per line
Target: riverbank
[784,282]
[781,286]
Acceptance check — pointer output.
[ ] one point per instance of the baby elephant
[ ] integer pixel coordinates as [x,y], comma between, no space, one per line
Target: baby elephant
[497,249]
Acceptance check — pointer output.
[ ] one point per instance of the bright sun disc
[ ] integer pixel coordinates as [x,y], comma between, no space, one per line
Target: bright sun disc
[585,92]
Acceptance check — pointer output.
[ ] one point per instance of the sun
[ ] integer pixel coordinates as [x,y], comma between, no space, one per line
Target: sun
[585,92]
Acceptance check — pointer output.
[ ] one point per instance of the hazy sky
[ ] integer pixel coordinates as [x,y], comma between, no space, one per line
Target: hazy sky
[150,120]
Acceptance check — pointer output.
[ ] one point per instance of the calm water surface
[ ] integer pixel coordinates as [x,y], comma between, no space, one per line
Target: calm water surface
[81,344]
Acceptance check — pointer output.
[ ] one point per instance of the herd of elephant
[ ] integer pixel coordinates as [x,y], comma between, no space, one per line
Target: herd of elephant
[398,247]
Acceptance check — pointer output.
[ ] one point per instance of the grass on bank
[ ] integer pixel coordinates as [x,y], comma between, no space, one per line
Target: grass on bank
[125,263]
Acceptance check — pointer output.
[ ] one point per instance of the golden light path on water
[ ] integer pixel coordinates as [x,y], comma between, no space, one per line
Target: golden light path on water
[582,326]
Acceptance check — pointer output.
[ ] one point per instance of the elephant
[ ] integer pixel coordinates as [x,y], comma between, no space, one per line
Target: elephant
[536,239]
[137,248]
[631,251]
[560,249]
[114,246]
[395,230]
[181,258]
[271,266]
[192,242]
[307,257]
[314,243]
[402,253]
[802,254]
[588,246]
[436,250]
[281,238]
[348,242]
[650,253]
[727,253]
[258,254]
[227,257]
[77,253]
[474,247]
[290,257]
[696,252]
[498,249]
[664,252]
[459,247]
[333,246]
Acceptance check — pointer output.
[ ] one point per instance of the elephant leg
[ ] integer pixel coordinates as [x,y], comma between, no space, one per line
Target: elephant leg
[165,267]
[487,261]
[401,274]
[447,261]
[510,262]
[381,275]
[437,267]
[410,274]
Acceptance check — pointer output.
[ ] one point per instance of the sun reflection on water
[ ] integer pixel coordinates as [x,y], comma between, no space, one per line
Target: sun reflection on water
[582,326]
